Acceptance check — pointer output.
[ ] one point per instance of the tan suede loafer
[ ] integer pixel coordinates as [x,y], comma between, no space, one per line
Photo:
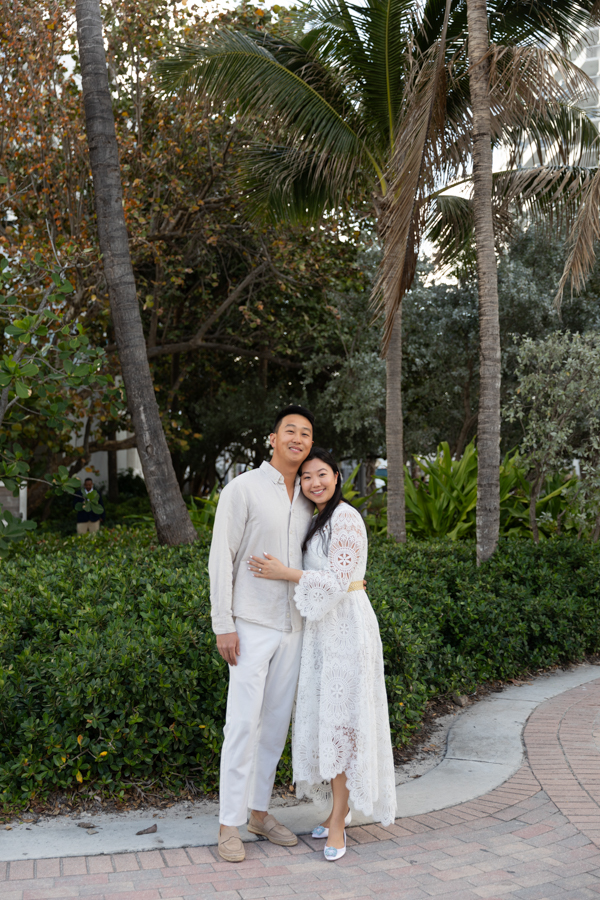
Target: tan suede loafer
[231,847]
[273,830]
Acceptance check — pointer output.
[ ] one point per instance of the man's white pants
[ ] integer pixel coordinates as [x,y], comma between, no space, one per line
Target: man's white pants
[261,694]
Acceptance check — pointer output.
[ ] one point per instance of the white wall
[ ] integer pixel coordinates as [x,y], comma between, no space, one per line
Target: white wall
[16,505]
[97,468]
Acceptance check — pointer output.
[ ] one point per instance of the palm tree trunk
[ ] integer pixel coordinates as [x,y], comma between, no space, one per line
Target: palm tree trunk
[173,524]
[488,438]
[394,434]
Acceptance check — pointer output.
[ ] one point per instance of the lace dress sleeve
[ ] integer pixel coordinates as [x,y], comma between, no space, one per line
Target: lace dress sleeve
[319,591]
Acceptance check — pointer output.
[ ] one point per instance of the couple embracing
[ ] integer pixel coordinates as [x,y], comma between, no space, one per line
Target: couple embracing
[293,621]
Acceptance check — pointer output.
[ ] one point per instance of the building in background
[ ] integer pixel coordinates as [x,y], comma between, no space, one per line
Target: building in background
[99,465]
[15,505]
[587,57]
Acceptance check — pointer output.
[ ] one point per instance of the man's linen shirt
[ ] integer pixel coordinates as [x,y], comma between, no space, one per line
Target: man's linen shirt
[255,515]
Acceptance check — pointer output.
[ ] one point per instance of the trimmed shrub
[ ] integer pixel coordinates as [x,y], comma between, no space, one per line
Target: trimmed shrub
[447,624]
[109,674]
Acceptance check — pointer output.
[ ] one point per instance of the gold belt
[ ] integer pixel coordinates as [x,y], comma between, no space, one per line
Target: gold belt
[356,586]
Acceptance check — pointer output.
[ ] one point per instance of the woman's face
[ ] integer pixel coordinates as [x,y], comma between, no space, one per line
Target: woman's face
[318,482]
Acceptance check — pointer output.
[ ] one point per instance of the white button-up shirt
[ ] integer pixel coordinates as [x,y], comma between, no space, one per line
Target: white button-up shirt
[255,515]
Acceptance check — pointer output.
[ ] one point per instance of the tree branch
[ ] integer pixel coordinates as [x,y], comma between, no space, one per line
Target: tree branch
[237,292]
[225,348]
[125,444]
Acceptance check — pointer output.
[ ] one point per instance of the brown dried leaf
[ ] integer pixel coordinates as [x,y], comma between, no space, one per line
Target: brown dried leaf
[582,240]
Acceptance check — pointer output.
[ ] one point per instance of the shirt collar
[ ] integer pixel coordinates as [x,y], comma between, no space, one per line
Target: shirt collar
[275,476]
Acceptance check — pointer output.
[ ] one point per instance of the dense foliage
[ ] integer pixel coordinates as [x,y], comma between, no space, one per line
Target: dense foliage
[51,383]
[240,318]
[441,495]
[440,361]
[109,675]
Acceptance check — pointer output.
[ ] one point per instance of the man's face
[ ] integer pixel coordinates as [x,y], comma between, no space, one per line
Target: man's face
[293,439]
[88,484]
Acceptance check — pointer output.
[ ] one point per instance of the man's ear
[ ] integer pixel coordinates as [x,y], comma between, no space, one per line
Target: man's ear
[272,437]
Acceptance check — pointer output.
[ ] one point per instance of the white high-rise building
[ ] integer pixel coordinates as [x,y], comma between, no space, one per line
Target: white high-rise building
[587,57]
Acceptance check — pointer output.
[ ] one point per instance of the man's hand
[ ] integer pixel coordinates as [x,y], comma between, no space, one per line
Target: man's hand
[228,646]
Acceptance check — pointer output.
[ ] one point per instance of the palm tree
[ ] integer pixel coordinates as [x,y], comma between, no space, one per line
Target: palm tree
[372,106]
[173,524]
[488,423]
[488,428]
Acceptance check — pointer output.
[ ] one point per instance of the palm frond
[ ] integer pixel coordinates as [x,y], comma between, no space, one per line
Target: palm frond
[527,83]
[235,68]
[549,196]
[401,219]
[539,23]
[429,22]
[370,42]
[336,26]
[283,183]
[533,95]
[450,227]
[387,28]
[582,240]
[566,137]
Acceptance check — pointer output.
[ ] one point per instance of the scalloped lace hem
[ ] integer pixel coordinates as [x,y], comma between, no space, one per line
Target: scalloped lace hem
[320,793]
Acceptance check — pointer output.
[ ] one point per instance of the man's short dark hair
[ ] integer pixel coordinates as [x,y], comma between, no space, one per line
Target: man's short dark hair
[293,411]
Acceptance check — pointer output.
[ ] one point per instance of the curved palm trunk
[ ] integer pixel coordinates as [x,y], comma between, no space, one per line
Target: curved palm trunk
[394,434]
[488,439]
[173,524]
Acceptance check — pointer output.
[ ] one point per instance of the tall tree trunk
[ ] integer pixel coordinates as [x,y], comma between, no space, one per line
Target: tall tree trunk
[394,435]
[173,524]
[488,438]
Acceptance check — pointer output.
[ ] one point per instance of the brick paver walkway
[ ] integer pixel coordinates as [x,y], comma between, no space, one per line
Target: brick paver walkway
[537,837]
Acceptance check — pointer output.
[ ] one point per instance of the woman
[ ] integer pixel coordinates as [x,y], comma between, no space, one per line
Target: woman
[341,730]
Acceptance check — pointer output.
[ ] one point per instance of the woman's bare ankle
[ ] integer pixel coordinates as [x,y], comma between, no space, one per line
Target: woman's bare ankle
[330,818]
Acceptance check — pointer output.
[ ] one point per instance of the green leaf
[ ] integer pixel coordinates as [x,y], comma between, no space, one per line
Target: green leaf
[29,369]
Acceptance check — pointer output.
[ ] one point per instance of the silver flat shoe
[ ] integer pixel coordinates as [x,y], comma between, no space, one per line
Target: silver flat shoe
[321,831]
[332,854]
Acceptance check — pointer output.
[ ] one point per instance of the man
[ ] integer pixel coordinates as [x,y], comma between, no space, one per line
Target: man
[258,628]
[88,522]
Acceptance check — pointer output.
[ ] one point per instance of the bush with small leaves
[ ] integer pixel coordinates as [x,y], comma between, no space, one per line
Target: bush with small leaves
[110,677]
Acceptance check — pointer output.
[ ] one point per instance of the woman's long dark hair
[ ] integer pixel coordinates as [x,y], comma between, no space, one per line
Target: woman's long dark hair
[321,520]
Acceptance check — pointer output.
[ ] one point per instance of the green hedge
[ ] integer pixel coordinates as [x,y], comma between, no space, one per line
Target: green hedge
[109,674]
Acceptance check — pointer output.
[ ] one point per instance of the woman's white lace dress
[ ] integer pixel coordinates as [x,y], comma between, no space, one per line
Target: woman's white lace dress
[341,719]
